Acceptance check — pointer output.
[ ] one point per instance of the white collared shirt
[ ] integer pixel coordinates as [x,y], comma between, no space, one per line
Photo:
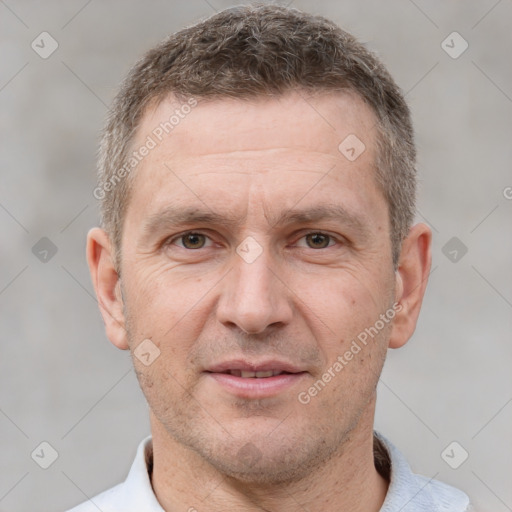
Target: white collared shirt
[407,491]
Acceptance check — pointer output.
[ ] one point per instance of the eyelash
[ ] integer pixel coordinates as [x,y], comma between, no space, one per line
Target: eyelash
[182,235]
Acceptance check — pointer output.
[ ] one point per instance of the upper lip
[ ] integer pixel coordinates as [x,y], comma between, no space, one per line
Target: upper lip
[252,366]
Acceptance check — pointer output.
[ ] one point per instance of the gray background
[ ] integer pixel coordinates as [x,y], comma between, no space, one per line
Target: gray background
[60,379]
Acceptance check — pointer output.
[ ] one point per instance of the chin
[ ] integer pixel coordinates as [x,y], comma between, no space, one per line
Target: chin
[266,472]
[268,461]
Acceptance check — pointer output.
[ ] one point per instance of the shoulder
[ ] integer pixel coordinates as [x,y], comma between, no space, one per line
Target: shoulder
[446,497]
[107,501]
[134,494]
[409,492]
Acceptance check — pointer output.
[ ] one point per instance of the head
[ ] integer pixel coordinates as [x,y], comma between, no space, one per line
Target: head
[257,178]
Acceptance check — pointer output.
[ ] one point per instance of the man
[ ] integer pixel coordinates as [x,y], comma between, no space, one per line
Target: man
[257,257]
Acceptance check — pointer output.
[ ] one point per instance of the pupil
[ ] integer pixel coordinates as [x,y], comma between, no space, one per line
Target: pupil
[319,240]
[194,240]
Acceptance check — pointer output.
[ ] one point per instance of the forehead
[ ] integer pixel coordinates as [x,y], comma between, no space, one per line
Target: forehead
[222,151]
[297,120]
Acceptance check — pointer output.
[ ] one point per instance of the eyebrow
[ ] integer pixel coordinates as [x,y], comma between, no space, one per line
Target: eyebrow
[318,213]
[173,217]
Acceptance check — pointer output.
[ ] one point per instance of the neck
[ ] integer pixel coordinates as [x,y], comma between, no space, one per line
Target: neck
[182,480]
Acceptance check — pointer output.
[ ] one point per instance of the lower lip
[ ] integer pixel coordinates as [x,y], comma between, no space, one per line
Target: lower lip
[254,387]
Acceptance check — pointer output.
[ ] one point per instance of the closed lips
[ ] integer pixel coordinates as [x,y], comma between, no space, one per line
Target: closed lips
[255,379]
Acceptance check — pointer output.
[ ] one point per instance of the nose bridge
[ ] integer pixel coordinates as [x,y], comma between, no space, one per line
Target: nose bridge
[253,298]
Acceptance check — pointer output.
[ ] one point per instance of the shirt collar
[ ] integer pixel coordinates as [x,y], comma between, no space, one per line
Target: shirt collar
[409,492]
[137,492]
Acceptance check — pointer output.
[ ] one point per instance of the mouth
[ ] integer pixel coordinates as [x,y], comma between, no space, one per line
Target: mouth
[248,374]
[255,380]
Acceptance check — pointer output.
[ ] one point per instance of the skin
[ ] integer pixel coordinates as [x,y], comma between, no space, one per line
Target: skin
[303,300]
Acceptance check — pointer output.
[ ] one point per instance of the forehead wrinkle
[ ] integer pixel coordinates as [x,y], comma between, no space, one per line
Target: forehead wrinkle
[254,172]
[254,161]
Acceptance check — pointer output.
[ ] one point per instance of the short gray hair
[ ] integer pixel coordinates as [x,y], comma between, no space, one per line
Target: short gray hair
[253,51]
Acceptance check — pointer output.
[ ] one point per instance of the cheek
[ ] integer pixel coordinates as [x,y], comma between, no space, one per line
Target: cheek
[341,306]
[172,313]
[162,304]
[349,379]
[165,391]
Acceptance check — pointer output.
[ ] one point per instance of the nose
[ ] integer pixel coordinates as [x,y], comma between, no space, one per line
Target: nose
[253,297]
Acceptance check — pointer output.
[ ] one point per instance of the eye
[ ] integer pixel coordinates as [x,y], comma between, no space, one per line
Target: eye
[191,240]
[318,240]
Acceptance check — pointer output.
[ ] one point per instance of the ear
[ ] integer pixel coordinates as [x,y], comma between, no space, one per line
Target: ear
[411,283]
[107,285]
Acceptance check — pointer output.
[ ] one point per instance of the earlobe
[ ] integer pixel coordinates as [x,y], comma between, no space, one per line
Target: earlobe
[107,286]
[411,283]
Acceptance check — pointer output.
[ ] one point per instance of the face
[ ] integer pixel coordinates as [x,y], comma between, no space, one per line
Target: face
[255,253]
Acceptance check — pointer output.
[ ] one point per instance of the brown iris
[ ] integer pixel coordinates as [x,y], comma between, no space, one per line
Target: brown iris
[317,240]
[193,240]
